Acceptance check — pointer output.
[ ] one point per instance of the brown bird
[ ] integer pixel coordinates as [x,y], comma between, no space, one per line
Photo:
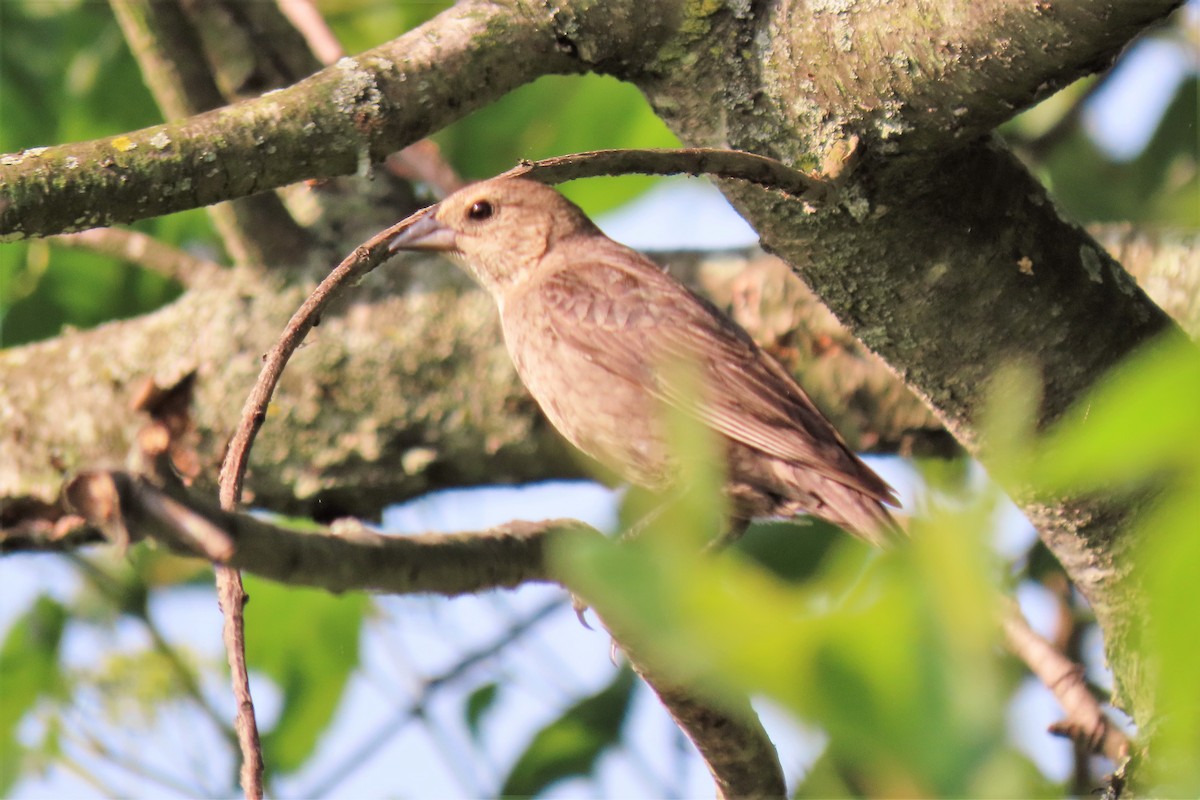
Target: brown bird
[593,326]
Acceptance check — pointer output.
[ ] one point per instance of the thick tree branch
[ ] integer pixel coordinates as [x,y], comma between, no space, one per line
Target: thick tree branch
[336,122]
[944,255]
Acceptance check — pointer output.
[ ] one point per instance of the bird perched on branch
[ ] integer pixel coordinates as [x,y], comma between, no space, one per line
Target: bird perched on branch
[592,327]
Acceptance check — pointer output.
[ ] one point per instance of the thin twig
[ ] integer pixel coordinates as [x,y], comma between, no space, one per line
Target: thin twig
[145,251]
[365,258]
[1085,720]
[306,18]
[736,164]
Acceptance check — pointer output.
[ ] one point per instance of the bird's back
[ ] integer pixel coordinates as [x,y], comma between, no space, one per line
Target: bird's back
[593,332]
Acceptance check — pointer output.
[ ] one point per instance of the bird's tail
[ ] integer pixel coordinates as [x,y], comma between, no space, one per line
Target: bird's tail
[851,509]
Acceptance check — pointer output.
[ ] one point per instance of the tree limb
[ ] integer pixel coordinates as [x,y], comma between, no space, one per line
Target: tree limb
[336,122]
[1086,722]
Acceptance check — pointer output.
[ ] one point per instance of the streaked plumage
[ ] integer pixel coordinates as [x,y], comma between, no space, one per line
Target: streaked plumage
[590,325]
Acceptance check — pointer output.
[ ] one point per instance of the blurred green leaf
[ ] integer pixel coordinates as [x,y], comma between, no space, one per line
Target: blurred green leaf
[478,704]
[29,671]
[66,75]
[894,654]
[307,642]
[793,550]
[1141,419]
[570,745]
[363,24]
[553,116]
[695,511]
[43,288]
[1171,551]
[1158,186]
[1138,431]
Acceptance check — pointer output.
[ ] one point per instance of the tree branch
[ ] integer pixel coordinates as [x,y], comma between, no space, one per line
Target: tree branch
[336,122]
[145,251]
[1086,722]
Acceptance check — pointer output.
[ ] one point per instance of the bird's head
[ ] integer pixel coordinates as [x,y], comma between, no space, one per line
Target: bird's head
[500,228]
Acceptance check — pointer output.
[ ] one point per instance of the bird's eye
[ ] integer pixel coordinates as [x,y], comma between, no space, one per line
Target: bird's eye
[480,210]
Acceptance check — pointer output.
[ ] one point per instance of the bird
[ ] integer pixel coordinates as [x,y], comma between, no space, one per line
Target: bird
[593,326]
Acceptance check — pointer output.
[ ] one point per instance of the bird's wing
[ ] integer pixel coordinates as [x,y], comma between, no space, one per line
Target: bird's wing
[632,320]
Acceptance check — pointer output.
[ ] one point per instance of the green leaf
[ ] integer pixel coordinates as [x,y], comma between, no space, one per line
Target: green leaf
[553,116]
[306,641]
[478,704]
[886,652]
[1171,551]
[28,671]
[362,24]
[1141,419]
[570,745]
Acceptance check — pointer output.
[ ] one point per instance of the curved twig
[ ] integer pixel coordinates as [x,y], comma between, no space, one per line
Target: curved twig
[736,164]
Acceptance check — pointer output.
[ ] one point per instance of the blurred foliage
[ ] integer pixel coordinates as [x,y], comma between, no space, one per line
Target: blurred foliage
[307,642]
[44,287]
[570,744]
[892,654]
[29,671]
[1138,434]
[895,654]
[362,24]
[66,75]
[1160,186]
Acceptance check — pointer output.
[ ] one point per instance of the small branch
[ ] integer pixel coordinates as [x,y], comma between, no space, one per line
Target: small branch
[732,742]
[423,161]
[64,535]
[1085,721]
[365,258]
[231,599]
[735,164]
[172,59]
[268,39]
[346,558]
[145,251]
[738,752]
[307,19]
[169,54]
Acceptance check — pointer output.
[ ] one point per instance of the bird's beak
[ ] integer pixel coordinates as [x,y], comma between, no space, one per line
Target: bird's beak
[425,233]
